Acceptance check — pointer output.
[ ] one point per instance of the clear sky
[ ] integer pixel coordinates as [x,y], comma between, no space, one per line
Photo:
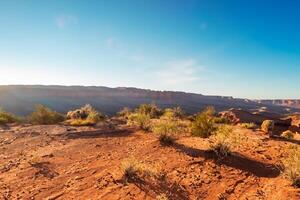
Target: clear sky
[237,48]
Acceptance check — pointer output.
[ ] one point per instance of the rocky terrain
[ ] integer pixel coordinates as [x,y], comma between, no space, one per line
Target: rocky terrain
[293,103]
[22,99]
[63,162]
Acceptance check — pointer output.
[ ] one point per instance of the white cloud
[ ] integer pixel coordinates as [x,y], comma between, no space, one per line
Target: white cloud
[65,20]
[179,72]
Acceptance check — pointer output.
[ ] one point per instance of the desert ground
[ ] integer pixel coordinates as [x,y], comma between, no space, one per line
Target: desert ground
[64,162]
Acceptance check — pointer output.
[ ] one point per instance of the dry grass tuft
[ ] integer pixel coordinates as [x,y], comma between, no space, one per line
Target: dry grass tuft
[167,129]
[224,141]
[131,168]
[291,164]
[143,121]
[288,134]
[267,126]
[248,125]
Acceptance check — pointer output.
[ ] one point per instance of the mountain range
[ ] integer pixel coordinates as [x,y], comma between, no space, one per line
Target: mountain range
[21,99]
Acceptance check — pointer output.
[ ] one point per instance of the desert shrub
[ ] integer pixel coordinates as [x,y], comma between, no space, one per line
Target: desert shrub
[44,115]
[6,118]
[267,126]
[224,141]
[85,116]
[167,130]
[124,113]
[143,121]
[221,120]
[203,125]
[288,134]
[173,113]
[132,168]
[149,109]
[291,164]
[248,125]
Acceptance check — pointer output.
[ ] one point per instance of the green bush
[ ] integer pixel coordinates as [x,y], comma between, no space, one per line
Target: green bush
[173,113]
[149,109]
[44,115]
[267,126]
[203,125]
[143,121]
[6,118]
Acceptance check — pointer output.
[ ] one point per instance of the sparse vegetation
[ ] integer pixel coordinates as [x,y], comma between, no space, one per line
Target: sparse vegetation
[6,118]
[149,109]
[221,120]
[288,134]
[224,141]
[166,129]
[162,197]
[291,164]
[141,120]
[44,115]
[248,125]
[267,126]
[132,167]
[124,113]
[85,116]
[173,113]
[203,125]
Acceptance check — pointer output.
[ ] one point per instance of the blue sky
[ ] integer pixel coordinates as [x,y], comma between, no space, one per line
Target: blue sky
[236,48]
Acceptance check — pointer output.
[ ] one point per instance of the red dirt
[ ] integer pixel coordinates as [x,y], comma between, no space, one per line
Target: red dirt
[59,162]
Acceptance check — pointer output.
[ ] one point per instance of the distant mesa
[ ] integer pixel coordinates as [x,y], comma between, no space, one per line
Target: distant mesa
[21,99]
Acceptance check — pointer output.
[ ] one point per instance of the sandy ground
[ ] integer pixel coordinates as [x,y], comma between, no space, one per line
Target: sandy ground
[61,162]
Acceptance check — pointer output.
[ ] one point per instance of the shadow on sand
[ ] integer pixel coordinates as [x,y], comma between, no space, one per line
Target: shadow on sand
[99,134]
[237,161]
[279,138]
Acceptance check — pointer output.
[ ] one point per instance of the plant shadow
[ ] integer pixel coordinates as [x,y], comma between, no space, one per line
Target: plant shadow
[235,160]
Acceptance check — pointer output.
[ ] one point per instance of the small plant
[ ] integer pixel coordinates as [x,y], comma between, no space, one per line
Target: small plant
[267,126]
[173,113]
[132,168]
[248,125]
[149,109]
[288,134]
[124,113]
[224,141]
[141,120]
[167,129]
[162,197]
[44,115]
[203,125]
[6,118]
[291,164]
[221,120]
